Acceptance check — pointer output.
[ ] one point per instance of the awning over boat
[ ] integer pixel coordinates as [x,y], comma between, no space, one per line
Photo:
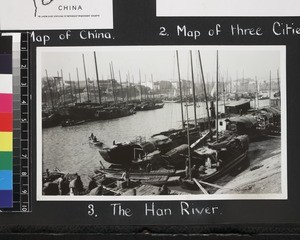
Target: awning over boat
[272,110]
[247,121]
[147,147]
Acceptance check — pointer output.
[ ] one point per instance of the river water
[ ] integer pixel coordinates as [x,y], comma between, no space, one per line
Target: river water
[69,150]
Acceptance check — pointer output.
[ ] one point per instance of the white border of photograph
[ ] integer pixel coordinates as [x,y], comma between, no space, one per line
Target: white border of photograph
[282,196]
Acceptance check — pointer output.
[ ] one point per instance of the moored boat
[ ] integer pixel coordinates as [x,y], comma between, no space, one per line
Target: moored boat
[69,123]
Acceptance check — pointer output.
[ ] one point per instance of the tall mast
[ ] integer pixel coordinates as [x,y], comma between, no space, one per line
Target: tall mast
[204,88]
[152,87]
[147,92]
[60,88]
[278,82]
[127,94]
[55,92]
[270,89]
[78,84]
[121,86]
[140,85]
[94,91]
[224,94]
[97,76]
[112,82]
[217,102]
[188,141]
[62,79]
[134,90]
[180,90]
[86,81]
[71,88]
[193,85]
[256,95]
[74,88]
[129,84]
[50,91]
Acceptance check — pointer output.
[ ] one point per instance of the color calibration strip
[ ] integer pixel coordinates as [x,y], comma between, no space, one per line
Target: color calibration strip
[21,113]
[6,123]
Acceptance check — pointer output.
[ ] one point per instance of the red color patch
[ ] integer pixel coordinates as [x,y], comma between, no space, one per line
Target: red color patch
[6,122]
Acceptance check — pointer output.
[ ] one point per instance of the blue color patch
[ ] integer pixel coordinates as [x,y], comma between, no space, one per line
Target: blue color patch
[5,64]
[6,180]
[6,198]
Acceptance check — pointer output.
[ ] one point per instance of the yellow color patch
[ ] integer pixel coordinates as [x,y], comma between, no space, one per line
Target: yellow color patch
[6,141]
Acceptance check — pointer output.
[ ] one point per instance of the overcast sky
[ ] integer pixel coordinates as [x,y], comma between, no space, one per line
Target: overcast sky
[161,62]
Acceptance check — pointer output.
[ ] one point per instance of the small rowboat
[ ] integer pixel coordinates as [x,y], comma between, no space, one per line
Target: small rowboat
[95,142]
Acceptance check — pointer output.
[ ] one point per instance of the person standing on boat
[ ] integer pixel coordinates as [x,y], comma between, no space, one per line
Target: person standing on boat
[187,168]
[92,184]
[126,177]
[63,185]
[76,185]
[97,191]
[92,136]
[59,182]
[149,167]
[195,172]
[164,190]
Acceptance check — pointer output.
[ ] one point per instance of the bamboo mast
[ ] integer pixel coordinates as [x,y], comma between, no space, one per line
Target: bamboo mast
[121,86]
[204,88]
[278,82]
[140,85]
[86,81]
[60,88]
[78,84]
[62,79]
[129,92]
[71,88]
[217,102]
[224,94]
[94,88]
[188,141]
[112,83]
[270,88]
[97,76]
[50,91]
[134,90]
[194,91]
[152,87]
[180,90]
[257,102]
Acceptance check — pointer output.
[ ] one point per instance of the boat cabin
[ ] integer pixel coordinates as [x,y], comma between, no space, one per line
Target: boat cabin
[242,125]
[237,107]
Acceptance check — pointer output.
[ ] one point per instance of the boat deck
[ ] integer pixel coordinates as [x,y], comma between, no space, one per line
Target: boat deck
[148,190]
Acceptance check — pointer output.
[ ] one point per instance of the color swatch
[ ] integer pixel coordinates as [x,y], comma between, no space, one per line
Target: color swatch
[6,123]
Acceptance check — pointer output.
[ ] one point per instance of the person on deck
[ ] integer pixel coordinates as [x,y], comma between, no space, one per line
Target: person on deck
[92,136]
[92,184]
[194,172]
[149,167]
[59,182]
[76,185]
[187,168]
[97,191]
[126,177]
[164,190]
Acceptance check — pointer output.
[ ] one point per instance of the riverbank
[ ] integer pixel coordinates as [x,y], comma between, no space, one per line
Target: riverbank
[264,173]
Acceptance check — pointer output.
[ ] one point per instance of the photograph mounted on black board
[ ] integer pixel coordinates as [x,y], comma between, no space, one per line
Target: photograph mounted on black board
[161,123]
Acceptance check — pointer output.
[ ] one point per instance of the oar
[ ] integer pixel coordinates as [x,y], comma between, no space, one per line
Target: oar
[200,186]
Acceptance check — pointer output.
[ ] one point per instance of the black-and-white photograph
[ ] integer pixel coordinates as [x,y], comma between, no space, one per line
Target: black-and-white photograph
[161,122]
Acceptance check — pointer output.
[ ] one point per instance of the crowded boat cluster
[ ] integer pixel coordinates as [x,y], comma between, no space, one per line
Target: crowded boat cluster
[187,160]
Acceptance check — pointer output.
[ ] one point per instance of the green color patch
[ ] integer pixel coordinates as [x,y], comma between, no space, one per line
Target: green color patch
[6,161]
